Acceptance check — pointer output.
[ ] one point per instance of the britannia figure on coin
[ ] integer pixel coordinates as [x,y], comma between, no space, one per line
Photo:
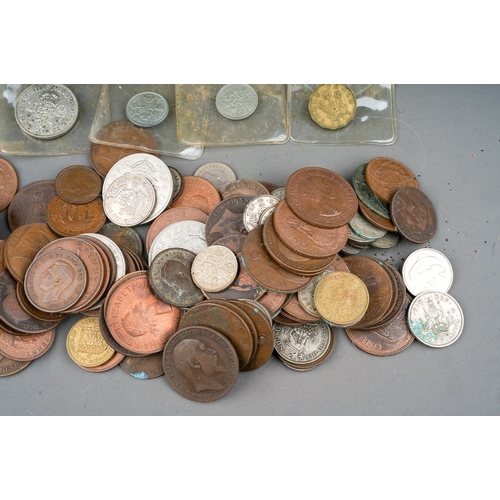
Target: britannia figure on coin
[55,280]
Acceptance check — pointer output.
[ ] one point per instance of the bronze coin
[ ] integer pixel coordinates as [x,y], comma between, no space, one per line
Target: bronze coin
[226,219]
[23,244]
[385,176]
[198,193]
[170,216]
[379,286]
[8,183]
[226,320]
[413,215]
[376,219]
[243,187]
[127,138]
[78,184]
[30,204]
[386,340]
[31,310]
[145,367]
[25,347]
[321,197]
[293,308]
[10,367]
[200,364]
[55,281]
[2,259]
[123,236]
[137,319]
[273,301]
[306,239]
[265,270]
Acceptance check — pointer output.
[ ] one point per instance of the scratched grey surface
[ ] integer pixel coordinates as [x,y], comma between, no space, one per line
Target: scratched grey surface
[450,137]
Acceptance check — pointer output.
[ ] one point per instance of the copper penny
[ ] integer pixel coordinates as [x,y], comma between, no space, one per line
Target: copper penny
[413,215]
[137,319]
[128,137]
[68,219]
[198,193]
[379,286]
[273,301]
[55,281]
[23,244]
[265,270]
[304,238]
[78,184]
[8,183]
[2,259]
[294,308]
[243,187]
[170,216]
[123,236]
[387,340]
[145,367]
[30,204]
[31,310]
[226,219]
[26,347]
[321,197]
[376,219]
[200,363]
[10,367]
[385,176]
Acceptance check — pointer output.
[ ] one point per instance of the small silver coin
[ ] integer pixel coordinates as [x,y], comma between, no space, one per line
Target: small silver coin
[387,241]
[236,101]
[46,111]
[255,208]
[214,268]
[115,250]
[435,318]
[147,109]
[219,174]
[306,295]
[364,228]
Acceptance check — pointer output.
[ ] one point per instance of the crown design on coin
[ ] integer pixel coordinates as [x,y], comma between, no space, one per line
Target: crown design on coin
[50,97]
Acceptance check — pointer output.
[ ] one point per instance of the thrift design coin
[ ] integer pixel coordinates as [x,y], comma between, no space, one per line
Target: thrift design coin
[332,106]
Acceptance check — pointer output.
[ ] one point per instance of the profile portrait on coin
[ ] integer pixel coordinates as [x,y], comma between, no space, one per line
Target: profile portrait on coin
[177,275]
[55,280]
[199,364]
[321,195]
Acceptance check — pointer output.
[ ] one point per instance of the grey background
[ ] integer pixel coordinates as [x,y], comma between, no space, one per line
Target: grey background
[447,135]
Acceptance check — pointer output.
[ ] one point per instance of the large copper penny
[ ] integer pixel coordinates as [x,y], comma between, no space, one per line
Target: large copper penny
[23,244]
[25,347]
[78,184]
[273,301]
[265,270]
[8,183]
[198,193]
[68,219]
[385,176]
[145,367]
[376,219]
[128,137]
[243,187]
[10,367]
[137,319]
[413,215]
[32,311]
[2,259]
[306,239]
[294,309]
[30,204]
[321,197]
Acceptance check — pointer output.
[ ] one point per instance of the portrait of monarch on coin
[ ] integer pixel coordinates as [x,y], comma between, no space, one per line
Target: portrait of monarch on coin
[321,196]
[199,364]
[55,280]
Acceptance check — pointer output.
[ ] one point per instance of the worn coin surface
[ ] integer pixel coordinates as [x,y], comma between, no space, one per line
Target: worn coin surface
[46,111]
[8,183]
[236,101]
[200,364]
[198,193]
[332,105]
[243,187]
[219,174]
[10,367]
[255,208]
[25,347]
[123,236]
[364,228]
[144,367]
[367,196]
[147,109]
[214,268]
[375,219]
[78,184]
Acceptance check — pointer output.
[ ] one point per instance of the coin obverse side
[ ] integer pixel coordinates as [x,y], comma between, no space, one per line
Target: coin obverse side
[332,106]
[147,109]
[236,101]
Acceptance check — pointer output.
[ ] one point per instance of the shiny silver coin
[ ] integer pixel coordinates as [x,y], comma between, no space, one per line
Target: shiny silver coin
[255,208]
[219,174]
[427,269]
[214,268]
[46,111]
[435,318]
[236,101]
[147,109]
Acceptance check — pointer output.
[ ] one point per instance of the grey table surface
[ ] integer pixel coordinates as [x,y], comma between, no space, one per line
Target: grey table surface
[448,135]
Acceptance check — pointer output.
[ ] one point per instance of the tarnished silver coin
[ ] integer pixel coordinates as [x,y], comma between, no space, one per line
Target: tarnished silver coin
[236,101]
[255,208]
[129,200]
[147,109]
[115,250]
[214,268]
[387,241]
[151,167]
[219,174]
[188,234]
[427,269]
[177,182]
[306,295]
[435,318]
[268,212]
[364,228]
[46,111]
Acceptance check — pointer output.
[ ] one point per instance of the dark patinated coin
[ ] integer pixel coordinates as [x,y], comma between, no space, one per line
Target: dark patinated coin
[123,236]
[10,367]
[145,367]
[413,215]
[200,364]
[243,187]
[78,184]
[367,196]
[375,219]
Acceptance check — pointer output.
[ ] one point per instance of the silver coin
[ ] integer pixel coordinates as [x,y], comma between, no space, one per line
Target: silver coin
[306,295]
[354,238]
[177,182]
[151,167]
[46,111]
[236,101]
[435,318]
[129,200]
[187,234]
[214,268]
[266,214]
[279,193]
[147,109]
[115,250]
[254,209]
[350,250]
[427,269]
[387,241]
[219,174]
[364,228]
